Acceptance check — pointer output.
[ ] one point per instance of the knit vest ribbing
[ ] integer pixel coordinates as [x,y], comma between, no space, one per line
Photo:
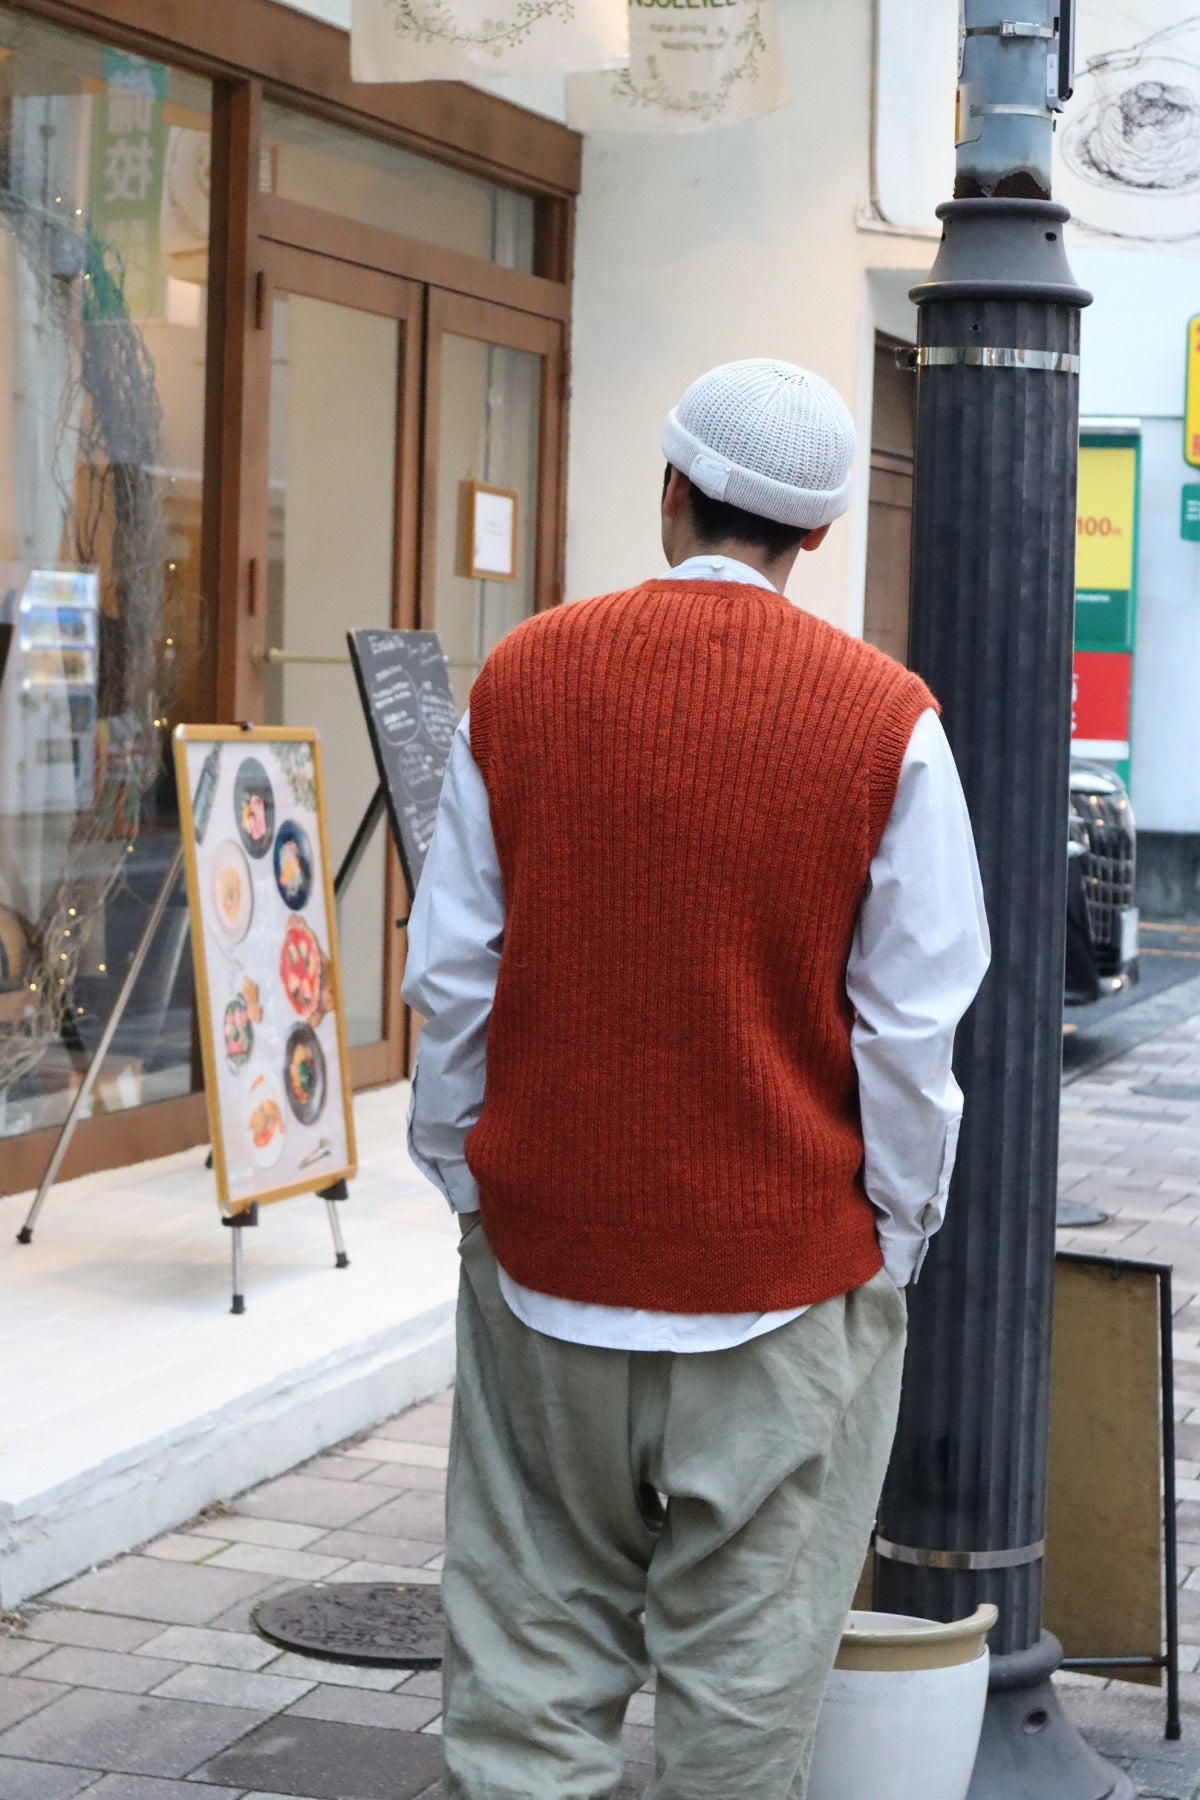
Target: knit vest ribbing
[687,783]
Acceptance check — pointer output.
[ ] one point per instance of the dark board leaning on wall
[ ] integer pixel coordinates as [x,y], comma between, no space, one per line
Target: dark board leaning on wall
[405,688]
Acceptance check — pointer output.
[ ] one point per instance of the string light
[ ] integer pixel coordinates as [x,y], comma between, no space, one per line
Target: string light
[103,968]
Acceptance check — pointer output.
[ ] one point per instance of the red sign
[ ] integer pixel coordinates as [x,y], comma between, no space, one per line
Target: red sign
[1100,696]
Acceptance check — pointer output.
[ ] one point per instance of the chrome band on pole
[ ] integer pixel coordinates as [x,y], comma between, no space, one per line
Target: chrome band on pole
[1008,109]
[988,356]
[1011,28]
[961,1559]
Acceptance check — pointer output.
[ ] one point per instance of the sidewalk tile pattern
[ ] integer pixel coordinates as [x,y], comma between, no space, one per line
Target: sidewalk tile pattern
[144,1680]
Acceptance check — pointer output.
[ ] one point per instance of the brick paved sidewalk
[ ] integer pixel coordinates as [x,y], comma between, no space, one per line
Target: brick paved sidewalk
[144,1680]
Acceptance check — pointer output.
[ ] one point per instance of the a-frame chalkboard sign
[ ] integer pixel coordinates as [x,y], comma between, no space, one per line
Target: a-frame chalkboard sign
[411,717]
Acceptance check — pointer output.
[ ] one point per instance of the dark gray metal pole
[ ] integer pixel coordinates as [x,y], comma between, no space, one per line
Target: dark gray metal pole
[963,1512]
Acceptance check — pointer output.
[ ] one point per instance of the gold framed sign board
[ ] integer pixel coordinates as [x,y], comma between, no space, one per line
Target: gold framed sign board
[264,944]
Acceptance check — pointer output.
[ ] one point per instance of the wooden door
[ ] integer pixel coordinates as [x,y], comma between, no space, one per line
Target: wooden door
[889,519]
[494,406]
[337,385]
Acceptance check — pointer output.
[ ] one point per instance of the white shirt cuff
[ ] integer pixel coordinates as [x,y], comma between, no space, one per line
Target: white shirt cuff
[450,1175]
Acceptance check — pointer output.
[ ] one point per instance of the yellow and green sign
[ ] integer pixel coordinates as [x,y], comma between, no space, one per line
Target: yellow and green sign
[1105,595]
[1191,401]
[1106,543]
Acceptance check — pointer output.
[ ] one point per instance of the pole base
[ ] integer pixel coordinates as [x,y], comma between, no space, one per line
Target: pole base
[1029,1749]
[25,1235]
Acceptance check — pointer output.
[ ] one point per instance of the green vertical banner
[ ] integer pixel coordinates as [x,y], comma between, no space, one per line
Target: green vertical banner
[129,157]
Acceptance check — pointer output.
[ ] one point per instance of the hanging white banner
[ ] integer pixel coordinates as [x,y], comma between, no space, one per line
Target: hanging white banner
[449,40]
[693,65]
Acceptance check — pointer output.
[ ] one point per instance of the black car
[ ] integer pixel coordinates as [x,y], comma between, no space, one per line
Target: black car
[1102,915]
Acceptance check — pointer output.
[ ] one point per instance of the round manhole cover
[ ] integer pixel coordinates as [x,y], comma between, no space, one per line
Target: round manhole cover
[377,1624]
[1071,1214]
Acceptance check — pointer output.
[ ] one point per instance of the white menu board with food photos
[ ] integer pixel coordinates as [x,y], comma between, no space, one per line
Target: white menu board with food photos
[264,937]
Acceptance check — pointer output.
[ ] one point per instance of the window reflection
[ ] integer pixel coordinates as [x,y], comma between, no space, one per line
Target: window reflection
[104,204]
[361,178]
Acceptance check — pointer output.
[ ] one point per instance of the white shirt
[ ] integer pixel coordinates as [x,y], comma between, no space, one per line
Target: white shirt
[920,950]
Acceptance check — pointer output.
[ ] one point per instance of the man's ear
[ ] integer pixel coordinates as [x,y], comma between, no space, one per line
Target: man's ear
[816,538]
[675,494]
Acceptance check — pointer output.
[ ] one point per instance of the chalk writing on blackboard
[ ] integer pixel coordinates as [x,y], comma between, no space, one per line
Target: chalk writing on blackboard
[405,690]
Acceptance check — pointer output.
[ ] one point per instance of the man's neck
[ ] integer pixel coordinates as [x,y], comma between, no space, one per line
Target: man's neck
[774,569]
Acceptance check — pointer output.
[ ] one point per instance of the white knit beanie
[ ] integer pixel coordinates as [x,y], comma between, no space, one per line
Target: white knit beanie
[768,437]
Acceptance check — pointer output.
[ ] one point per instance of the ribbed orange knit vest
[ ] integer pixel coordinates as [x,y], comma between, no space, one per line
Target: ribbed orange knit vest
[687,784]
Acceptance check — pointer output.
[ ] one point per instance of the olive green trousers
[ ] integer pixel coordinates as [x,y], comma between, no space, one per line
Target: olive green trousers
[611,1512]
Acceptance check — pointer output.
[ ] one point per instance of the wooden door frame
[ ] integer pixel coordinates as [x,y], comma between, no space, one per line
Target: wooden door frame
[459,315]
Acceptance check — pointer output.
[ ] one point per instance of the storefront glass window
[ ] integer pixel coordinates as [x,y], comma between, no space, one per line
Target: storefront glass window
[335,374]
[489,426]
[360,178]
[104,179]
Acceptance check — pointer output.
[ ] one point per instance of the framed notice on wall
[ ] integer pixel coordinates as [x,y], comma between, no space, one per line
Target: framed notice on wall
[490,532]
[264,943]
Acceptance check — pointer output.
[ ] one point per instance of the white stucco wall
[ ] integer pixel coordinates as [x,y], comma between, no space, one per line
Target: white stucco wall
[1133,367]
[738,242]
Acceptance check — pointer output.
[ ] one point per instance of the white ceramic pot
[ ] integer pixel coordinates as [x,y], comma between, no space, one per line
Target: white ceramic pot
[903,1711]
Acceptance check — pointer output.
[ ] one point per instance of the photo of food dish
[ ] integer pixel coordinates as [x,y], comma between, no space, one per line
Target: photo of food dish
[302,969]
[233,891]
[304,1074]
[237,1034]
[263,1119]
[293,865]
[254,806]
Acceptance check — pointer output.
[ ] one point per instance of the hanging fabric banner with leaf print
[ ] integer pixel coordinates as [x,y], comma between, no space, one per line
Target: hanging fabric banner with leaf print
[693,65]
[452,40]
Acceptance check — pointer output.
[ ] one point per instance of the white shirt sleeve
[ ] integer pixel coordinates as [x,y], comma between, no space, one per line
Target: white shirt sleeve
[455,936]
[921,948]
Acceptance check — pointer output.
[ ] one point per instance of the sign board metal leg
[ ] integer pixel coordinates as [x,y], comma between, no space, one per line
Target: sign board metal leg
[83,1093]
[340,1259]
[331,1195]
[358,844]
[239,1223]
[1174,1729]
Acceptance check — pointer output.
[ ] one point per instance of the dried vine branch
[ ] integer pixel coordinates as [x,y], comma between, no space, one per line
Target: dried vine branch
[106,470]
